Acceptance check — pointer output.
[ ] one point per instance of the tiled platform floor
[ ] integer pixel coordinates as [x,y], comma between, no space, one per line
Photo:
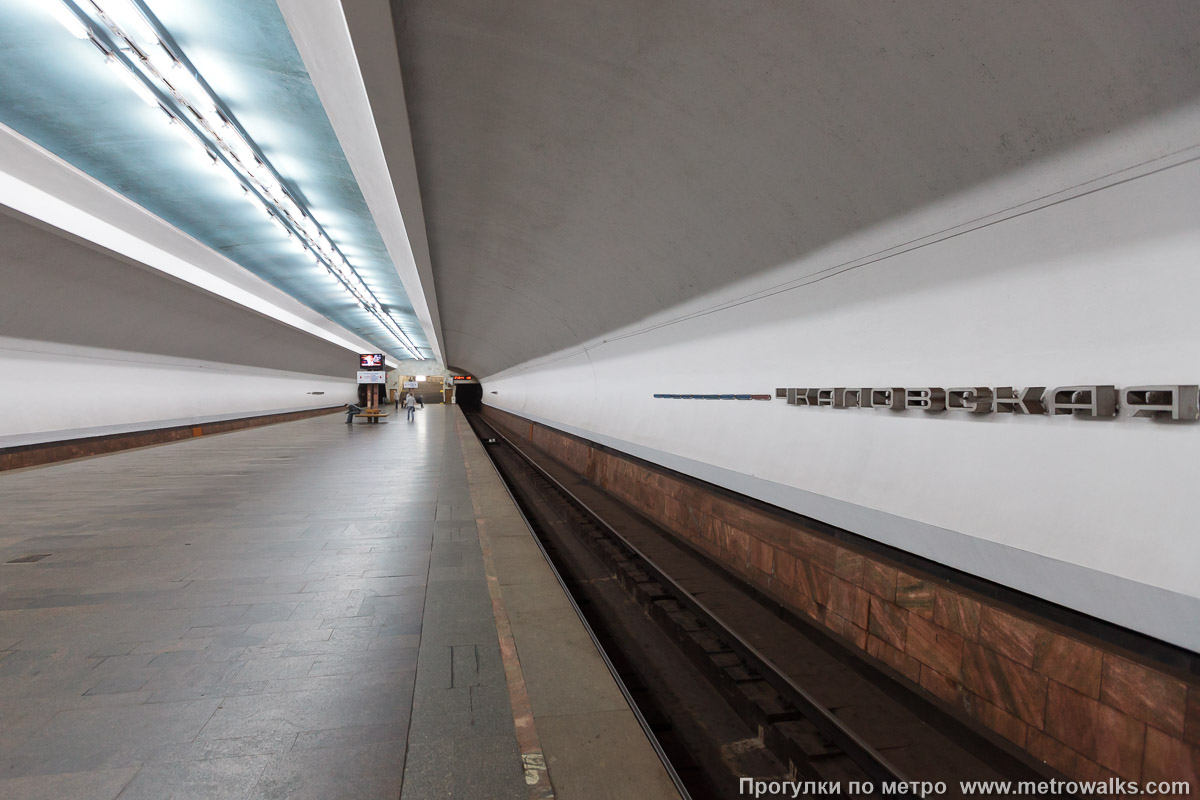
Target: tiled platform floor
[241,616]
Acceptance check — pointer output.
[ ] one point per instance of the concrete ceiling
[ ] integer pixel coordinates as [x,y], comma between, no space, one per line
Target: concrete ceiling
[586,164]
[57,91]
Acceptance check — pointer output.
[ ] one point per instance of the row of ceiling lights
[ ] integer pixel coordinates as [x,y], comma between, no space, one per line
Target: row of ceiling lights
[133,46]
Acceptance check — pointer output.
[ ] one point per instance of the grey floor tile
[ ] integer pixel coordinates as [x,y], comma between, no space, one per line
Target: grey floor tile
[368,772]
[95,785]
[211,779]
[78,740]
[350,736]
[217,621]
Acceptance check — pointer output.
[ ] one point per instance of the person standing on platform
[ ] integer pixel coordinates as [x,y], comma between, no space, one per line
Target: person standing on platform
[410,403]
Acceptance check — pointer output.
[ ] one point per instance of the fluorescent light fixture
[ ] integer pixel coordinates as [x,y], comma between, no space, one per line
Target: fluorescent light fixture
[187,85]
[230,175]
[240,149]
[293,211]
[186,134]
[162,58]
[131,21]
[68,20]
[213,132]
[131,80]
[421,378]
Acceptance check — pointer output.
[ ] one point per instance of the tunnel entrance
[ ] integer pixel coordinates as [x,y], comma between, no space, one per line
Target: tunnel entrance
[470,397]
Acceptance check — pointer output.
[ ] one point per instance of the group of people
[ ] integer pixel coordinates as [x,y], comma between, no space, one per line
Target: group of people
[411,402]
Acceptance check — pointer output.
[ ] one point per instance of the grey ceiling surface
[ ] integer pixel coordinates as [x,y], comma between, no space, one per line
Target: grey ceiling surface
[586,164]
[56,90]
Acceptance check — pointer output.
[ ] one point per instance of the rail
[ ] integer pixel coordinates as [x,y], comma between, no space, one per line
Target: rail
[874,764]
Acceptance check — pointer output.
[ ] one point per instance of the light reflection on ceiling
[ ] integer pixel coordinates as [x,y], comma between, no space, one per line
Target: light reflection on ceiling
[59,92]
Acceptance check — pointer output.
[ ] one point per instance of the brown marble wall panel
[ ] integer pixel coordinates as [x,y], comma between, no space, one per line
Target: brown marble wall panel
[915,594]
[1107,736]
[1168,758]
[948,691]
[1148,695]
[934,645]
[845,628]
[37,455]
[848,565]
[815,550]
[998,720]
[903,663]
[957,612]
[785,568]
[762,555]
[1009,635]
[804,605]
[889,622]
[1016,689]
[1070,662]
[1191,728]
[812,581]
[880,580]
[849,601]
[1064,759]
[1085,707]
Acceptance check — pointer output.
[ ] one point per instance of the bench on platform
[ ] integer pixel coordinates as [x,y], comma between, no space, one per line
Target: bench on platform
[372,414]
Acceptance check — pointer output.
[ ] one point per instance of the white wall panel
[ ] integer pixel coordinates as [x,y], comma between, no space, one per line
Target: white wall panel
[51,392]
[1099,288]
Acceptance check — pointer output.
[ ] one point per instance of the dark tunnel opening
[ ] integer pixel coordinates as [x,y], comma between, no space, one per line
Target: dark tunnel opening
[470,397]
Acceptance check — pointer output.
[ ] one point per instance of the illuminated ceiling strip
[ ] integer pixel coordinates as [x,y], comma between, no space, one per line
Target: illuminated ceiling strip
[133,44]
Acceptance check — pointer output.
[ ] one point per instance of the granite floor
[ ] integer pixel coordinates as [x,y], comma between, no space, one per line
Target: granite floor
[242,616]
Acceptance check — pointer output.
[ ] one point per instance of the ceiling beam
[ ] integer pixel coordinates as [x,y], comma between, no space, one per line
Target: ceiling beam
[350,53]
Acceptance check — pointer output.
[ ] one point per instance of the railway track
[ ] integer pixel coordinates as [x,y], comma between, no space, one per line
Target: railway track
[728,685]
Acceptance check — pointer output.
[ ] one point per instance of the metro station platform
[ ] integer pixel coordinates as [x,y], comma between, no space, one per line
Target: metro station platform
[303,610]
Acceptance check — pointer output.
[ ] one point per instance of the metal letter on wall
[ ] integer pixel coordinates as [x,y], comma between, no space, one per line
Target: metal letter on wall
[1083,401]
[892,398]
[1020,401]
[1164,402]
[846,398]
[797,396]
[972,399]
[926,398]
[1177,402]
